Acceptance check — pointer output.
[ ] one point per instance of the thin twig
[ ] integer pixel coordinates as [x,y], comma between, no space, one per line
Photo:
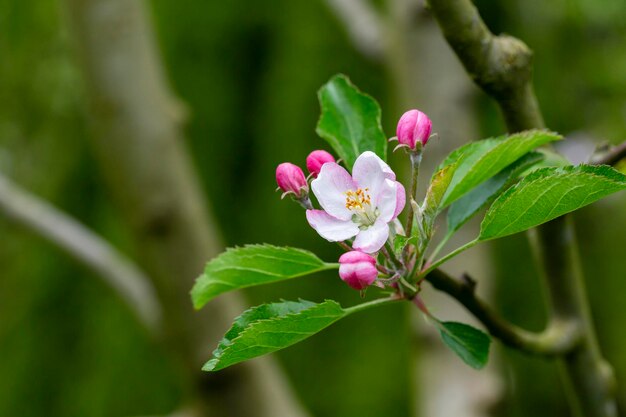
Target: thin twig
[86,247]
[560,336]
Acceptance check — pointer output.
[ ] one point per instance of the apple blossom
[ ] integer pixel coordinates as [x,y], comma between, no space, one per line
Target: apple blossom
[357,269]
[359,206]
[291,180]
[414,126]
[316,160]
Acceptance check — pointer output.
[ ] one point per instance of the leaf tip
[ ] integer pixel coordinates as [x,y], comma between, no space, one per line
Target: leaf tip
[196,294]
[197,304]
[211,365]
[470,344]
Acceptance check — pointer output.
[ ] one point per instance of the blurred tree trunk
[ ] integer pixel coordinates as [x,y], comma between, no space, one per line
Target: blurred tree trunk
[137,138]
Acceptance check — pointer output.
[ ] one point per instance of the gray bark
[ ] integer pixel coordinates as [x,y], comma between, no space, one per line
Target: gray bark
[139,145]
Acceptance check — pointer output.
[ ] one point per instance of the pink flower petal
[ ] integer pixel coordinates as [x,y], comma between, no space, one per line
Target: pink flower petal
[389,174]
[331,228]
[291,179]
[400,200]
[355,257]
[369,172]
[406,128]
[357,269]
[316,160]
[373,238]
[388,201]
[330,188]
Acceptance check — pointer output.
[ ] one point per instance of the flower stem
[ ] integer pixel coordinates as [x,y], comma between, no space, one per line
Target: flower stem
[417,300]
[374,303]
[397,265]
[416,158]
[344,246]
[439,247]
[451,255]
[305,202]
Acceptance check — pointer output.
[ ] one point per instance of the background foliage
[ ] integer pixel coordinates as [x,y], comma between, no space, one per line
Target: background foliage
[249,72]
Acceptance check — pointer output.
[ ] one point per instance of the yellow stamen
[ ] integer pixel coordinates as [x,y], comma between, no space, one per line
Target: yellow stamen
[357,200]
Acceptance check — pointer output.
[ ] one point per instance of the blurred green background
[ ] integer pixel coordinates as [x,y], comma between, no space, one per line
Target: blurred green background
[249,72]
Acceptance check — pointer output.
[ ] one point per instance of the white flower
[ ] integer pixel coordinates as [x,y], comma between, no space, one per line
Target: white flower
[360,205]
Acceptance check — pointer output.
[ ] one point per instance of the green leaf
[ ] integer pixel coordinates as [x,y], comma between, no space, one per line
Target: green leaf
[436,190]
[479,161]
[471,203]
[253,265]
[471,148]
[350,120]
[551,159]
[271,327]
[546,194]
[400,242]
[469,343]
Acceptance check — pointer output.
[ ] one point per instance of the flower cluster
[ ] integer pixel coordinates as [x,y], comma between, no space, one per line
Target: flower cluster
[358,210]
[358,206]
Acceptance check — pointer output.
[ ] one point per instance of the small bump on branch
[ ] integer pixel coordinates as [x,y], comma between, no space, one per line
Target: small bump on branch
[500,65]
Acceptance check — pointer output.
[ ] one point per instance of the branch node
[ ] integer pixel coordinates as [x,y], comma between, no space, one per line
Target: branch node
[506,65]
[469,283]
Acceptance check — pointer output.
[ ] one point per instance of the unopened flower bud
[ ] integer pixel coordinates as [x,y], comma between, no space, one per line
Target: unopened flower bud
[413,127]
[291,179]
[316,159]
[357,269]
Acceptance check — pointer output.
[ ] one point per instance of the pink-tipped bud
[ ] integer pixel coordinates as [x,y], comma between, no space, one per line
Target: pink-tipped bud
[357,269]
[414,126]
[291,179]
[316,159]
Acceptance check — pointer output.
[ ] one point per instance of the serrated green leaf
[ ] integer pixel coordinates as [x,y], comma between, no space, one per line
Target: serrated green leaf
[271,327]
[472,148]
[469,343]
[471,203]
[546,194]
[479,161]
[551,159]
[350,120]
[253,265]
[437,189]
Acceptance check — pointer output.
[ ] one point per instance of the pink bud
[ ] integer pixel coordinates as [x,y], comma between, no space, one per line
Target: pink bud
[316,159]
[357,269]
[290,179]
[414,126]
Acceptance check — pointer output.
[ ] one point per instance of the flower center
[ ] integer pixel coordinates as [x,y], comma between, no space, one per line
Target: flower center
[358,200]
[360,203]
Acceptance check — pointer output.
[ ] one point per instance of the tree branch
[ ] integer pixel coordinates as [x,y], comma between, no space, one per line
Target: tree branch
[502,67]
[559,338]
[612,157]
[591,377]
[86,247]
[363,25]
